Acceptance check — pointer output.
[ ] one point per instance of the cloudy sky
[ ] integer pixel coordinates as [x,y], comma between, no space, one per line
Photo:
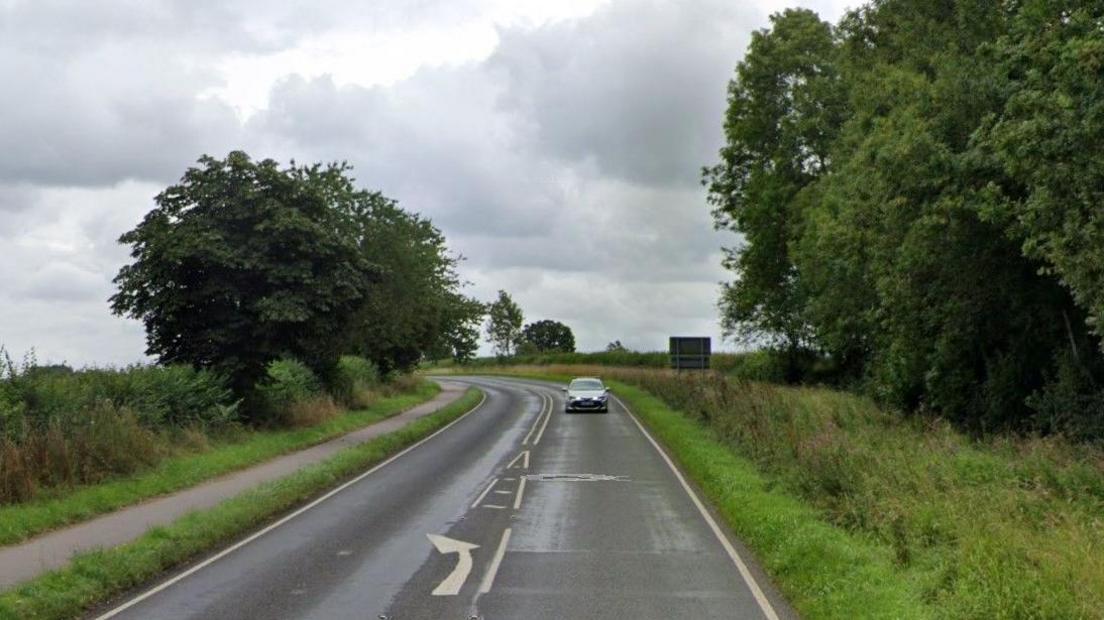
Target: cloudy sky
[557,144]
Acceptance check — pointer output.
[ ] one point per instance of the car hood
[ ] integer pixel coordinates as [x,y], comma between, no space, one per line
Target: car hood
[585,393]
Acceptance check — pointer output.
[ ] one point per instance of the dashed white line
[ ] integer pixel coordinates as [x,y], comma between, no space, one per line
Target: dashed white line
[487,490]
[504,492]
[520,491]
[492,569]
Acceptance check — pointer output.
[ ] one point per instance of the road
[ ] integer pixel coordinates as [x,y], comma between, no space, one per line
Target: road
[517,510]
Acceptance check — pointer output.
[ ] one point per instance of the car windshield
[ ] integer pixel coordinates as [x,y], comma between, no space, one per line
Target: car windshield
[586,384]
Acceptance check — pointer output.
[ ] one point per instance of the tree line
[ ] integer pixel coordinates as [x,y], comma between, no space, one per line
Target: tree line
[243,263]
[917,189]
[510,338]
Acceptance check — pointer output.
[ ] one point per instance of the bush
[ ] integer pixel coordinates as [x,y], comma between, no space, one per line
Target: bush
[110,441]
[354,381]
[286,383]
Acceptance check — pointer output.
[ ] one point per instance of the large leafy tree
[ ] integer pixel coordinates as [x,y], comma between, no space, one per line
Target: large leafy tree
[549,336]
[784,108]
[415,307]
[242,262]
[942,246]
[504,319]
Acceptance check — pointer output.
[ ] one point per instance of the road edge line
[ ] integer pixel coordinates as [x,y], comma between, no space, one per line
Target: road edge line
[254,536]
[745,573]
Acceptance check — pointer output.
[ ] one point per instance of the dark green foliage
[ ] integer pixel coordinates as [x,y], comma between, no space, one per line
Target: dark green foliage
[286,382]
[414,307]
[353,377]
[33,400]
[917,192]
[549,336]
[243,262]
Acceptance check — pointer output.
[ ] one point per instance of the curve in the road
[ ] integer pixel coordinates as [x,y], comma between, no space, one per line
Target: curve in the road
[516,510]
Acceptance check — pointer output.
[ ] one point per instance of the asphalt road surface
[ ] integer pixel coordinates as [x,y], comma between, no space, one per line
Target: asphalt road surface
[517,510]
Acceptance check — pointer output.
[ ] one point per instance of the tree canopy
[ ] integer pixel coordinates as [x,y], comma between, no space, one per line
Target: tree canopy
[243,262]
[917,195]
[548,336]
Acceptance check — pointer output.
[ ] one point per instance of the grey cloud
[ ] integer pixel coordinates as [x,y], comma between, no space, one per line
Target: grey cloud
[65,282]
[639,87]
[565,164]
[433,142]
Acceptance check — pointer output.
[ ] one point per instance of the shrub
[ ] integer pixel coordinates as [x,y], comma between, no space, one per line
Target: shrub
[354,381]
[109,441]
[286,383]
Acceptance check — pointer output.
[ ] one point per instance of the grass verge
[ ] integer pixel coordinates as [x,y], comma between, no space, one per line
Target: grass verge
[59,508]
[95,577]
[824,571]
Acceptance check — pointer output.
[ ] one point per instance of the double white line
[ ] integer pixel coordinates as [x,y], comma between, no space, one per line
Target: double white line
[541,421]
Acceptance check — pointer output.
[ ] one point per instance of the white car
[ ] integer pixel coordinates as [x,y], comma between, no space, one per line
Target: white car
[586,394]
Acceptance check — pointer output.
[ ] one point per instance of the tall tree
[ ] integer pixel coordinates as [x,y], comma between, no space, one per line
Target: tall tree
[242,262]
[549,336]
[416,302]
[784,109]
[504,319]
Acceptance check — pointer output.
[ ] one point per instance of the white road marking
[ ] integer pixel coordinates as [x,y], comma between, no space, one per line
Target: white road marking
[749,579]
[523,457]
[504,492]
[238,545]
[493,506]
[492,570]
[536,423]
[547,417]
[485,492]
[452,584]
[520,491]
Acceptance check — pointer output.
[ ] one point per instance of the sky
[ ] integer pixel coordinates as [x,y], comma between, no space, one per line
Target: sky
[558,145]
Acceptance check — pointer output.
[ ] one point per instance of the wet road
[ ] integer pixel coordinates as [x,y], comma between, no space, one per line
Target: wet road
[517,510]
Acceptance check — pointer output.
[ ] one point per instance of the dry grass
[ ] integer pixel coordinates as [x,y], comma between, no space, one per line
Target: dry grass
[111,442]
[310,412]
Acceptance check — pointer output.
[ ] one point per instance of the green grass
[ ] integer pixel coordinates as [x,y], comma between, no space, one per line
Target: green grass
[60,507]
[824,571]
[861,512]
[95,577]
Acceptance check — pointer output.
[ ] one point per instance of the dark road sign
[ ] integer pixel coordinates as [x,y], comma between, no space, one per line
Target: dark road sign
[690,353]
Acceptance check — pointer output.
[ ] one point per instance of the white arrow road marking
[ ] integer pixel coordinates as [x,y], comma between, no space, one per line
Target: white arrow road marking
[523,457]
[452,584]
